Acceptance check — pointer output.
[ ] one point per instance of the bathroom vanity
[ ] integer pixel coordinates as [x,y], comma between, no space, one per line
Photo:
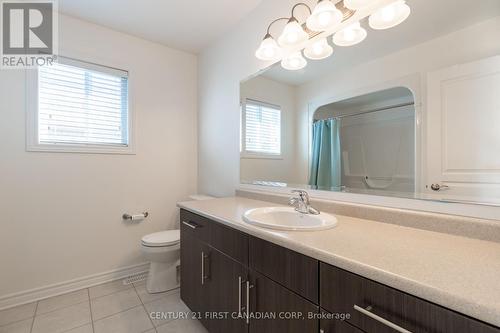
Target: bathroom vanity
[240,278]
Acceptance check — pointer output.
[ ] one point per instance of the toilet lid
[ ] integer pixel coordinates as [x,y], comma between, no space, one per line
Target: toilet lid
[162,238]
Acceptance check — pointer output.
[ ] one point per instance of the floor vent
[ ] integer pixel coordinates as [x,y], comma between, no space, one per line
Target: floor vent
[135,278]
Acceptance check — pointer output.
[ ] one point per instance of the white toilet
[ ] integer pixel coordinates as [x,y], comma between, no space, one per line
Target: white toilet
[162,249]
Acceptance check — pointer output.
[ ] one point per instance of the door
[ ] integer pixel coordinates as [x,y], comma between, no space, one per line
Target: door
[227,287]
[195,275]
[463,131]
[274,308]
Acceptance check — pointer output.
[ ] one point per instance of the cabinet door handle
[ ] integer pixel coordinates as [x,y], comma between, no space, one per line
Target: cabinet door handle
[367,312]
[203,276]
[240,281]
[249,286]
[191,225]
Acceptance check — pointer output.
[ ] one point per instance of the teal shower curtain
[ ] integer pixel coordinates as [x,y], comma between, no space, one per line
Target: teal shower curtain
[326,163]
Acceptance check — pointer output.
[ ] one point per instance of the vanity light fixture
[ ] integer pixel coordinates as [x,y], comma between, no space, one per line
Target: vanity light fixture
[293,34]
[351,35]
[324,16]
[390,16]
[268,50]
[327,19]
[294,61]
[318,50]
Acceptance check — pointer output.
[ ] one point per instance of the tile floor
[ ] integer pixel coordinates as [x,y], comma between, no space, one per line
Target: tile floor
[108,308]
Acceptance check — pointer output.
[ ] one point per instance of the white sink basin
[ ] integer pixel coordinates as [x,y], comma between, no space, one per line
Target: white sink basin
[286,218]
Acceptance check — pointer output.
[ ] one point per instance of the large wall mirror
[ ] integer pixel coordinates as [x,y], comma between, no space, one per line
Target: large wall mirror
[411,113]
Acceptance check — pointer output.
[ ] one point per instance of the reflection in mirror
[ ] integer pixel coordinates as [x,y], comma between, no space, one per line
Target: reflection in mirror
[410,112]
[366,143]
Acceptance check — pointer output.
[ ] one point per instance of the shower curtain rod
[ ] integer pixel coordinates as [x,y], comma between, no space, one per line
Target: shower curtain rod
[370,111]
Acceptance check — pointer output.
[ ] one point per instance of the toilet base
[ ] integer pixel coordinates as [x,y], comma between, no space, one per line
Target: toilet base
[162,277]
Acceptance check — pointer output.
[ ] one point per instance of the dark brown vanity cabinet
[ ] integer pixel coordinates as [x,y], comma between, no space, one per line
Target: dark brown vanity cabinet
[376,308]
[291,311]
[195,256]
[229,294]
[238,283]
[332,325]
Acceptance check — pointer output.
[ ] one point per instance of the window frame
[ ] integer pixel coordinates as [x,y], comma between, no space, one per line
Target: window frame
[32,137]
[259,155]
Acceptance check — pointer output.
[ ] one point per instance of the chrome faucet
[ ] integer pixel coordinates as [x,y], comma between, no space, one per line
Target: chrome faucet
[302,203]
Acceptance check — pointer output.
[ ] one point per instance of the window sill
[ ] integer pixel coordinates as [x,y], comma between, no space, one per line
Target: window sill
[260,156]
[80,149]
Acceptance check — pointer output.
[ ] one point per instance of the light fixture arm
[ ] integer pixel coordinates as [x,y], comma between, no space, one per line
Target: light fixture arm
[300,4]
[268,34]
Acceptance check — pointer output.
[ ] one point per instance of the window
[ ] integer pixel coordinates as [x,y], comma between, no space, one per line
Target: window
[261,130]
[80,107]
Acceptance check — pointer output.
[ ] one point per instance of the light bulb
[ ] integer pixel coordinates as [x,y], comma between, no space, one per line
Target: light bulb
[324,16]
[294,61]
[388,13]
[293,34]
[357,4]
[390,16]
[350,35]
[318,50]
[268,49]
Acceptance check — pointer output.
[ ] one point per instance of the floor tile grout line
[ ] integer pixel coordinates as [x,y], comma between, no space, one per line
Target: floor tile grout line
[58,309]
[112,293]
[167,293]
[74,328]
[16,321]
[144,307]
[114,314]
[90,307]
[74,291]
[34,316]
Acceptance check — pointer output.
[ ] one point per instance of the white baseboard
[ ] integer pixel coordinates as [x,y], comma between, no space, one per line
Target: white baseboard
[36,294]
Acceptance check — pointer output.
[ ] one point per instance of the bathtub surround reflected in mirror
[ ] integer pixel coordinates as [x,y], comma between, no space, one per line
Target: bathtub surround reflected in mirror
[365,144]
[429,132]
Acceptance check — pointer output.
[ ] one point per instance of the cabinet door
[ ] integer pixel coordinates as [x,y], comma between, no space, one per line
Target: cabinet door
[293,270]
[290,312]
[330,324]
[195,275]
[462,130]
[227,286]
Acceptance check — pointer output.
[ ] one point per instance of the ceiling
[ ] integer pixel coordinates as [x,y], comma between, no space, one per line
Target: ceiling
[185,25]
[428,20]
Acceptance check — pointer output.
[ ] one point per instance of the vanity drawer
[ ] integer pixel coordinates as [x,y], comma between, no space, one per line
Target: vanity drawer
[330,324]
[293,270]
[195,225]
[341,291]
[229,241]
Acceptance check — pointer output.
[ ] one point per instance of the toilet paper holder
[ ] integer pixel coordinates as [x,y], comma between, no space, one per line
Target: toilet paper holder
[135,217]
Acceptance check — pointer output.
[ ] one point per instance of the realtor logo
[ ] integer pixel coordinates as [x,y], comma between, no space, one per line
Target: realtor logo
[28,33]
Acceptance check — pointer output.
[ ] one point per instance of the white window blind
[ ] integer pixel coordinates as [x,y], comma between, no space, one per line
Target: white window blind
[82,104]
[262,128]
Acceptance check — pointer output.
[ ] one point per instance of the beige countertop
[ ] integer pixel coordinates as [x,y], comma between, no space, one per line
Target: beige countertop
[459,273]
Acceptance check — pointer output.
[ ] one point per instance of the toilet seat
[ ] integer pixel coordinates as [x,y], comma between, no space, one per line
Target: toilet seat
[162,238]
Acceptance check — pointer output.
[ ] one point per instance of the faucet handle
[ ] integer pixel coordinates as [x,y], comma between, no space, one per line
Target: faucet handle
[303,195]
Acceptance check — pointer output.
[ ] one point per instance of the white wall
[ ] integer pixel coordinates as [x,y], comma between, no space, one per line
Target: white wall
[221,68]
[226,63]
[272,169]
[61,213]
